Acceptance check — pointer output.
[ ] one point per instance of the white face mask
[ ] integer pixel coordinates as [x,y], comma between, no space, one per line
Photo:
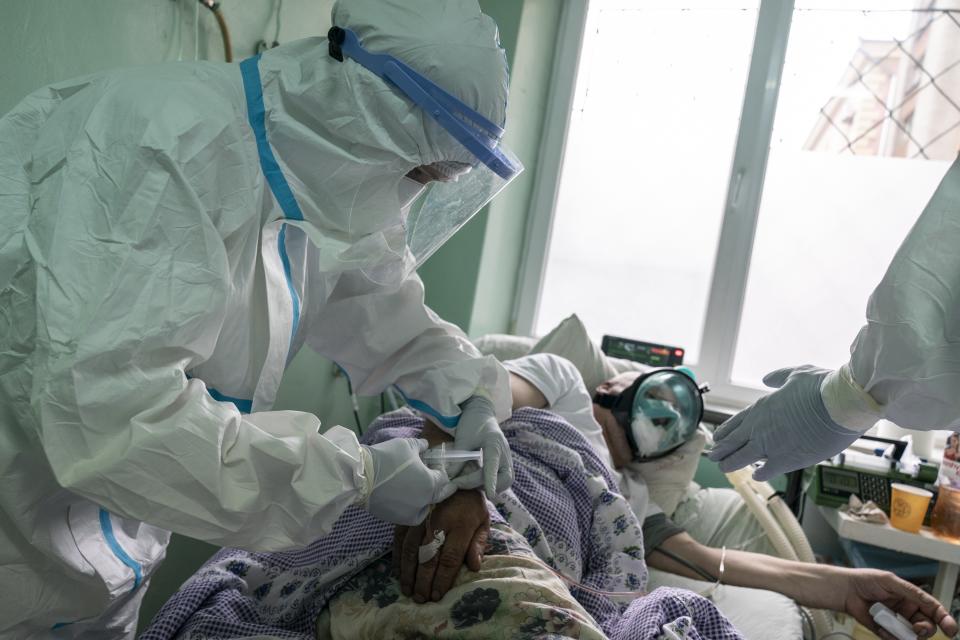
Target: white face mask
[648,436]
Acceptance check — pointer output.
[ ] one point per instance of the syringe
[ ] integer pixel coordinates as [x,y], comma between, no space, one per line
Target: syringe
[439,457]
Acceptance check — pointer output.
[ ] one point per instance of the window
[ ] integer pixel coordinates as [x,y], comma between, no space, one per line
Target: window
[867,124]
[651,136]
[738,193]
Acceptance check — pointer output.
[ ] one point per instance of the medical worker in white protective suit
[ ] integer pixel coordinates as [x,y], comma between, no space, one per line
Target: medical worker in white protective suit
[904,365]
[170,236]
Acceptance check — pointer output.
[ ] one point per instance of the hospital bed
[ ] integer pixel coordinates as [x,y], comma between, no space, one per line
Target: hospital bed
[673,482]
[780,619]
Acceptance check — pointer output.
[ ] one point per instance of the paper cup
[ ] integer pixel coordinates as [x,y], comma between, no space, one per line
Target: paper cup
[908,506]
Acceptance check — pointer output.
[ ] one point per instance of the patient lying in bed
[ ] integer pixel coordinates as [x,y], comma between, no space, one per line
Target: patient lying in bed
[543,560]
[562,545]
[509,594]
[546,381]
[562,514]
[549,381]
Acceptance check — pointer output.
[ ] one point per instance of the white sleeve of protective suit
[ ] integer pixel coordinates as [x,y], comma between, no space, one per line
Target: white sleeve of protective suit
[132,284]
[905,362]
[386,335]
[146,443]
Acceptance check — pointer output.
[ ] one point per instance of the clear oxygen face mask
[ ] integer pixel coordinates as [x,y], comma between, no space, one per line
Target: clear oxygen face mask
[659,411]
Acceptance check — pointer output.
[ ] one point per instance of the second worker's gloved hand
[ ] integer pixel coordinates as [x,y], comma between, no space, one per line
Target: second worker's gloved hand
[478,429]
[404,487]
[790,428]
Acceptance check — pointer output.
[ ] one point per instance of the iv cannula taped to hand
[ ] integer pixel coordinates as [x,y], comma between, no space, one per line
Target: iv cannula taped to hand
[439,457]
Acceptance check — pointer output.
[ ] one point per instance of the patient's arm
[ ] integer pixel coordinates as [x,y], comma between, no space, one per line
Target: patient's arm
[433,434]
[466,523]
[813,585]
[525,394]
[464,520]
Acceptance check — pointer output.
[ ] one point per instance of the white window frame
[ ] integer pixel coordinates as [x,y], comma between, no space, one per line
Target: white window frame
[741,208]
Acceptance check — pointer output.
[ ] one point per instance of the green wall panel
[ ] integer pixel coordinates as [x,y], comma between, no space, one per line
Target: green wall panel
[450,276]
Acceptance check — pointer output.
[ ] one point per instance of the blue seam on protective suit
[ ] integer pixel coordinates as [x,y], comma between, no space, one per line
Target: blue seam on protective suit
[107,527]
[243,406]
[285,259]
[450,422]
[256,114]
[59,625]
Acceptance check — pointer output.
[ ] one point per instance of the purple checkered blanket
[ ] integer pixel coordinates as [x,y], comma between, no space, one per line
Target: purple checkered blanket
[564,501]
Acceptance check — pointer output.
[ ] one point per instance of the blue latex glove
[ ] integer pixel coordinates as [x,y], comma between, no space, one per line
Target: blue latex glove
[404,487]
[478,429]
[790,428]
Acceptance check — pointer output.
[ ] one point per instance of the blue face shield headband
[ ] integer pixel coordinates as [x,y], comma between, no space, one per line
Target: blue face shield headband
[477,134]
[453,197]
[658,412]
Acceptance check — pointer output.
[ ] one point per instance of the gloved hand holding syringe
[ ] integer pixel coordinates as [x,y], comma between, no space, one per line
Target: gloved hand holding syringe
[438,458]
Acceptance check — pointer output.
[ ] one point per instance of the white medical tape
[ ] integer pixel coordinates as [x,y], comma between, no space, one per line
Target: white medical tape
[428,552]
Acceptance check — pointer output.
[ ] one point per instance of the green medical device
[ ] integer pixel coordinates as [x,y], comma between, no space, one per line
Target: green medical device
[868,478]
[649,353]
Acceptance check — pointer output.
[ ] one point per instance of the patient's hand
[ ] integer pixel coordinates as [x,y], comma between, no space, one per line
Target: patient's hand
[464,519]
[863,587]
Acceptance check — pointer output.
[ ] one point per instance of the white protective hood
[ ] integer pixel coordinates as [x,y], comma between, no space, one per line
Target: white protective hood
[318,108]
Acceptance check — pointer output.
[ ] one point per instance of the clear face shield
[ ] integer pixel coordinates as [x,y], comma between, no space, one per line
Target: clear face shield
[455,191]
[658,412]
[446,206]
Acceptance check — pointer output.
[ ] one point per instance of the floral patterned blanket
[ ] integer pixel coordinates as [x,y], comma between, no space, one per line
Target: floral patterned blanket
[563,503]
[513,595]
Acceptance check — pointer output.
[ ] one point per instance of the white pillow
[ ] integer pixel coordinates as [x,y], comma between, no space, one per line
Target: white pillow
[503,346]
[570,340]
